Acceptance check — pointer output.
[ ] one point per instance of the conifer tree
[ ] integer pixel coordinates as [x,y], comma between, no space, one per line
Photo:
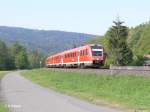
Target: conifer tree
[117,43]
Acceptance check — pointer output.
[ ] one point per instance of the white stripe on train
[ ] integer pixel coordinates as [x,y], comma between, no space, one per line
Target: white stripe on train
[85,62]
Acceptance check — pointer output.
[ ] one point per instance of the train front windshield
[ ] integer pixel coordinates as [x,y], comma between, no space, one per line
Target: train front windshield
[97,53]
[96,50]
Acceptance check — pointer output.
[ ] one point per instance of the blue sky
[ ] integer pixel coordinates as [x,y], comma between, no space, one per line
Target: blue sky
[86,16]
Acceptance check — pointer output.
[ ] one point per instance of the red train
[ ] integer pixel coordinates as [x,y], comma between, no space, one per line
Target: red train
[91,55]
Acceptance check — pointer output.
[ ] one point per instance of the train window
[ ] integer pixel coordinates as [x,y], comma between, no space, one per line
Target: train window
[80,53]
[83,53]
[97,53]
[86,52]
[74,54]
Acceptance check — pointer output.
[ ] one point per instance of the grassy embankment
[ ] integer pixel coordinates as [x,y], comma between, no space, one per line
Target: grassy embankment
[121,91]
[2,107]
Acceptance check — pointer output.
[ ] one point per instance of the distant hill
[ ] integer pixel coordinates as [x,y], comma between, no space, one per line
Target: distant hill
[95,40]
[46,41]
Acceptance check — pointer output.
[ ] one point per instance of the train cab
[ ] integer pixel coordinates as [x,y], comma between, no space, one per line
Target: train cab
[98,55]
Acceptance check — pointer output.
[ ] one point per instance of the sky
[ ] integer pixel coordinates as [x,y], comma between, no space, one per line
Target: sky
[84,16]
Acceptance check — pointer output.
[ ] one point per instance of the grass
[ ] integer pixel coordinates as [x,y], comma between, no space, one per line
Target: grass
[2,73]
[125,91]
[2,107]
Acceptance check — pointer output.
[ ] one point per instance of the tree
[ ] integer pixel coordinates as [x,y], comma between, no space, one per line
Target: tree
[3,55]
[16,48]
[21,60]
[10,61]
[20,57]
[6,59]
[117,44]
[35,59]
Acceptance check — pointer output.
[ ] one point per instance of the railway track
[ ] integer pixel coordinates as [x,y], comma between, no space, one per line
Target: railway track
[119,71]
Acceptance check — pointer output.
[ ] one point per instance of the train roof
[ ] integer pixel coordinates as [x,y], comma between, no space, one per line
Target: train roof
[74,49]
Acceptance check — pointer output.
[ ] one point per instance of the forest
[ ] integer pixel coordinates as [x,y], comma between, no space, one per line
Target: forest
[17,57]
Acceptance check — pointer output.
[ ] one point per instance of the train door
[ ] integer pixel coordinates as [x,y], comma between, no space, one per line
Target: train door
[78,57]
[62,60]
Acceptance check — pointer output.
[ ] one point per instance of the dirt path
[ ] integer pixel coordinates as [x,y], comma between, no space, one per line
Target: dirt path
[24,96]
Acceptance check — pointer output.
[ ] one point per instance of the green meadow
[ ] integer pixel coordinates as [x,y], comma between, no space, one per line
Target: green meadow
[2,107]
[132,92]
